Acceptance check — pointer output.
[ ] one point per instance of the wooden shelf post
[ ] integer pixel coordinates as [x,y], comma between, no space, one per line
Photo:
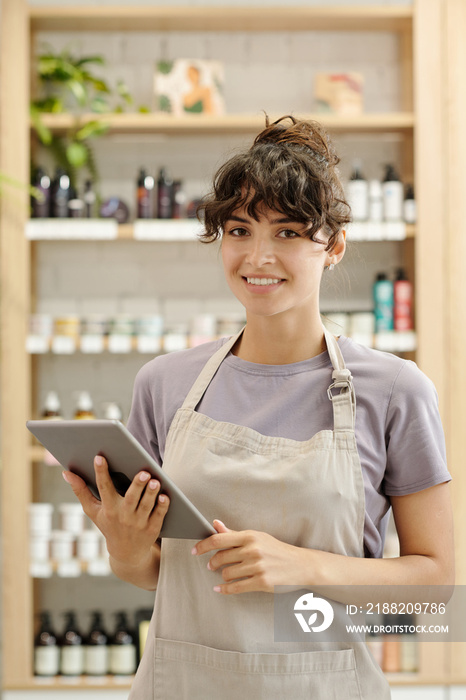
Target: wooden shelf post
[15,375]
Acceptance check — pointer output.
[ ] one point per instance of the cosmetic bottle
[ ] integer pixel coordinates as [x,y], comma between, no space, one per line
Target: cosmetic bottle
[358,193]
[90,201]
[122,648]
[164,195]
[41,207]
[145,195]
[60,194]
[402,302]
[409,206]
[179,201]
[75,205]
[96,651]
[84,407]
[72,653]
[51,410]
[375,201]
[392,189]
[46,649]
[383,303]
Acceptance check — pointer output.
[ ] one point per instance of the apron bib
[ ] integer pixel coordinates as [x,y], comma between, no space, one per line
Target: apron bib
[308,494]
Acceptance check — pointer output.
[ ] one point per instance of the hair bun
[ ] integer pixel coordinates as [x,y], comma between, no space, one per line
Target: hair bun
[301,133]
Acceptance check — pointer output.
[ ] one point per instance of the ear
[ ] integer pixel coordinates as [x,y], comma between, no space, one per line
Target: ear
[339,249]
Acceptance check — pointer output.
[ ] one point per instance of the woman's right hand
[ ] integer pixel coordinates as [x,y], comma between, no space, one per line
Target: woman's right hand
[130,524]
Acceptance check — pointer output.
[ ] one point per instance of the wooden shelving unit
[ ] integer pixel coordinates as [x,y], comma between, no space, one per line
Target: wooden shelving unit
[430,83]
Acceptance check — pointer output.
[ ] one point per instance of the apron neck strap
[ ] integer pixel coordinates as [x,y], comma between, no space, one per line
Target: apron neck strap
[343,402]
[207,374]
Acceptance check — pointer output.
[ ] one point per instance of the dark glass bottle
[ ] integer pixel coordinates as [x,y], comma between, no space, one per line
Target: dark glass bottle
[164,195]
[96,651]
[145,195]
[179,200]
[46,649]
[122,648]
[72,654]
[90,201]
[41,207]
[61,188]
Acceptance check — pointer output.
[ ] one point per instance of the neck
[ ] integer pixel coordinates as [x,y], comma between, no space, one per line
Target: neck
[276,340]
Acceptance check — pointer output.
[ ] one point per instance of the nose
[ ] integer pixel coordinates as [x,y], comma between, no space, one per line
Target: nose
[260,251]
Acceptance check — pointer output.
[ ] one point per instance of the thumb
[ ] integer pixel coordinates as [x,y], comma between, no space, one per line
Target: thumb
[89,503]
[220,527]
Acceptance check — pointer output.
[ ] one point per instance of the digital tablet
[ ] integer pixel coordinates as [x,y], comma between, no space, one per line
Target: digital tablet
[75,443]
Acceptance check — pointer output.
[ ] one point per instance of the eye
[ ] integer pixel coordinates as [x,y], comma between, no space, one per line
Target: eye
[288,233]
[237,232]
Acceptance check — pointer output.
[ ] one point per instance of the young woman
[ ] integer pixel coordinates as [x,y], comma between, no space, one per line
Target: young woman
[262,432]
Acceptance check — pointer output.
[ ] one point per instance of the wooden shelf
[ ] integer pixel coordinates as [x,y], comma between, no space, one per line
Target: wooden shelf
[241,18]
[227,124]
[84,683]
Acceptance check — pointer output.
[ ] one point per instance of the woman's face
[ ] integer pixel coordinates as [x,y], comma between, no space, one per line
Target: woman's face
[271,266]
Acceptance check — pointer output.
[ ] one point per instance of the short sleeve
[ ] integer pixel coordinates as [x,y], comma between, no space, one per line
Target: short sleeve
[141,422]
[416,454]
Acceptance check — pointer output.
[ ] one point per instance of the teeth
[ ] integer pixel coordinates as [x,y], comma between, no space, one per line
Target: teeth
[262,280]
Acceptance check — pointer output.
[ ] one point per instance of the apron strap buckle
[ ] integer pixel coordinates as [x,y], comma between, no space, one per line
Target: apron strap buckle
[342,379]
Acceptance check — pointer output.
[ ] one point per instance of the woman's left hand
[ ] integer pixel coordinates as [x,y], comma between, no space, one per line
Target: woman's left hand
[252,561]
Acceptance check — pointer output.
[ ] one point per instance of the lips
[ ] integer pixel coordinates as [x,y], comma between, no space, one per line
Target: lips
[262,285]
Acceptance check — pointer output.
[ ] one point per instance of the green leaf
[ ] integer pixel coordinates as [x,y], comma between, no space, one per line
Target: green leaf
[43,132]
[91,130]
[124,92]
[79,91]
[76,154]
[165,67]
[143,109]
[99,105]
[165,104]
[100,60]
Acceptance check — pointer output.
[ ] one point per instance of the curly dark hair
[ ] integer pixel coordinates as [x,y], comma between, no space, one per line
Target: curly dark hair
[292,168]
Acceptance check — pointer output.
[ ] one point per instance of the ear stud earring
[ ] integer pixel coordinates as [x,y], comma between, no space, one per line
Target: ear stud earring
[330,267]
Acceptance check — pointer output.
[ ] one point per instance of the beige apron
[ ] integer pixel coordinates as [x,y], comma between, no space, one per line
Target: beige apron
[202,644]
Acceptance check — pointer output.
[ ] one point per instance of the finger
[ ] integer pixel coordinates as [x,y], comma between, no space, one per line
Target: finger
[107,490]
[224,557]
[148,498]
[220,527]
[88,501]
[159,513]
[222,540]
[136,489]
[245,585]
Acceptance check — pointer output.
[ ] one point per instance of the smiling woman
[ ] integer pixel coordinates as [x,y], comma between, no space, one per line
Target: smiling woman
[262,433]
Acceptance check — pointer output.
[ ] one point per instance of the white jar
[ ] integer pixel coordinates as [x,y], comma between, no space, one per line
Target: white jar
[89,545]
[39,547]
[62,545]
[72,517]
[40,518]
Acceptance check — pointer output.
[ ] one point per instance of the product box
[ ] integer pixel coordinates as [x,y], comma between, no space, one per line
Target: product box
[189,86]
[339,93]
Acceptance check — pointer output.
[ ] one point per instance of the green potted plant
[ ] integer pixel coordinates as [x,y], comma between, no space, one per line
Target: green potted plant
[66,84]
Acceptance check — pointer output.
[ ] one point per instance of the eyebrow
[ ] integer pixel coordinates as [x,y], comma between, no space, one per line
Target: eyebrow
[284,220]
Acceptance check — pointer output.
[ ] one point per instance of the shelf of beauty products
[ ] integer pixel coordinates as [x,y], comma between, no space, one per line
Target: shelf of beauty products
[179,339]
[180,230]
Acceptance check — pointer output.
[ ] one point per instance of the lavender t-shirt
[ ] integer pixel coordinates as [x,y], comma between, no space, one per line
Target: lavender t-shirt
[398,430]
